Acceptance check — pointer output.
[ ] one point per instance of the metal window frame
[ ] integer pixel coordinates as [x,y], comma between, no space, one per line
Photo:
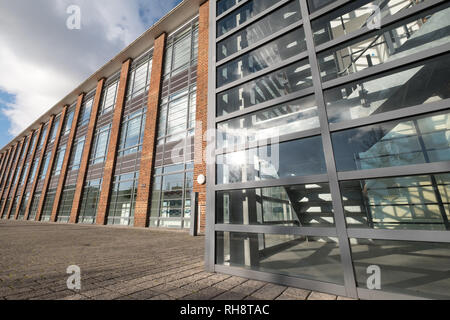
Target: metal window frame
[333,177]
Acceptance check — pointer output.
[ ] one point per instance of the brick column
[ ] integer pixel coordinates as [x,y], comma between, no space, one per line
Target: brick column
[86,153]
[16,187]
[111,156]
[201,114]
[25,183]
[50,164]
[65,165]
[11,177]
[4,169]
[38,169]
[150,133]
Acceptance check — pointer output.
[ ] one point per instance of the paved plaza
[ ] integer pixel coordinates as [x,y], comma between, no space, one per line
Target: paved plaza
[119,263]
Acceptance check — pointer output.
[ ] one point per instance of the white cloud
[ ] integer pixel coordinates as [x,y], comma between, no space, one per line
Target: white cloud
[41,60]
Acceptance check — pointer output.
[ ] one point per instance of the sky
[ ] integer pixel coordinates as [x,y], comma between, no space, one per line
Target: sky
[42,60]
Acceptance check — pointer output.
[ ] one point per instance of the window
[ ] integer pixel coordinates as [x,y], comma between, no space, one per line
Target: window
[24,174]
[109,97]
[139,80]
[59,160]
[295,116]
[65,206]
[132,133]
[355,16]
[48,205]
[123,199]
[34,206]
[23,206]
[24,148]
[270,24]
[416,34]
[68,123]
[268,55]
[86,110]
[288,159]
[423,139]
[33,170]
[89,201]
[224,5]
[282,254]
[46,162]
[390,91]
[242,14]
[100,146]
[302,206]
[277,84]
[77,153]
[54,130]
[42,137]
[398,203]
[315,5]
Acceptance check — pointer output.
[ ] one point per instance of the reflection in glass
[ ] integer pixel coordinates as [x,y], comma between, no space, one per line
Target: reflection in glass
[264,57]
[314,258]
[354,16]
[424,139]
[299,158]
[259,30]
[242,14]
[315,5]
[277,84]
[303,205]
[224,5]
[419,269]
[419,33]
[295,116]
[417,202]
[421,84]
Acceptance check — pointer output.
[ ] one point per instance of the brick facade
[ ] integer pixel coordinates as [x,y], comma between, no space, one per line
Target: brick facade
[111,156]
[50,166]
[202,110]
[86,153]
[14,166]
[62,176]
[150,134]
[5,171]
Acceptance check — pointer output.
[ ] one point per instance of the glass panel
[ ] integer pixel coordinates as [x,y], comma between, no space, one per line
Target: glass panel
[315,5]
[355,16]
[303,205]
[242,14]
[413,268]
[419,33]
[419,140]
[314,258]
[224,5]
[259,30]
[295,116]
[418,203]
[266,56]
[300,158]
[421,84]
[277,84]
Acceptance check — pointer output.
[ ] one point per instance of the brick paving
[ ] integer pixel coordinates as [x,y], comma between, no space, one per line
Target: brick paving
[118,263]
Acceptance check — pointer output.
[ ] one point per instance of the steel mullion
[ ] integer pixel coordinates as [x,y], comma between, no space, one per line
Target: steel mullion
[339,216]
[400,235]
[274,229]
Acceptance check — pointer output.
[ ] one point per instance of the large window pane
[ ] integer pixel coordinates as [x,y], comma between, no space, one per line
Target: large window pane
[289,159]
[413,268]
[224,5]
[419,33]
[266,56]
[277,84]
[354,16]
[304,205]
[242,14]
[259,30]
[418,202]
[420,84]
[314,258]
[315,5]
[295,116]
[424,139]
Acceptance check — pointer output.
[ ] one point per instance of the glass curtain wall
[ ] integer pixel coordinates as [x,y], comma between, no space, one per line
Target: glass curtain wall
[332,145]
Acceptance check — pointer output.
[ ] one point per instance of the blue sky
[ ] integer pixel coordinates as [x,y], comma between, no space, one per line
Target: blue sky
[42,60]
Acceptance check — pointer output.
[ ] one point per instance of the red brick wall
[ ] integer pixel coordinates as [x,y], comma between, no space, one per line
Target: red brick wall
[86,153]
[148,148]
[6,171]
[202,109]
[113,142]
